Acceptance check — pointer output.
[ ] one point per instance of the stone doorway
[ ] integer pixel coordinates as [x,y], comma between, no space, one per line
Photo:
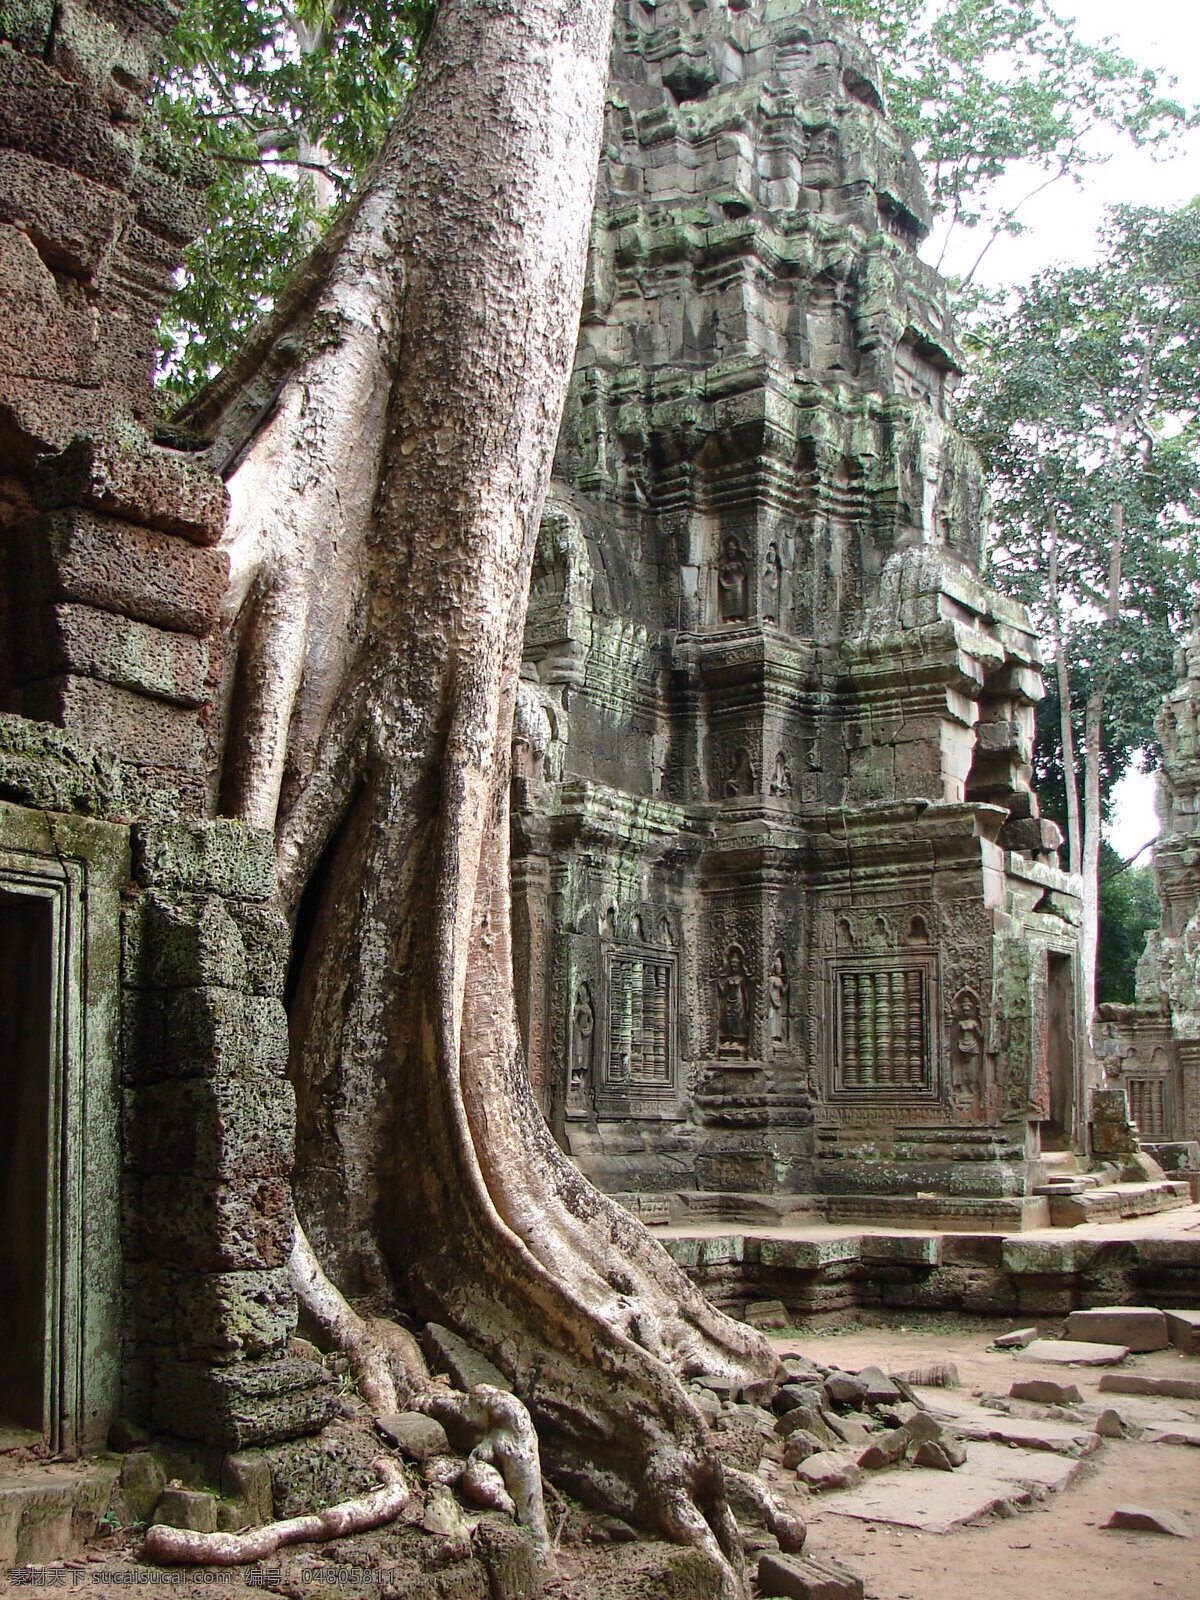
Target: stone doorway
[27,1158]
[1060,1049]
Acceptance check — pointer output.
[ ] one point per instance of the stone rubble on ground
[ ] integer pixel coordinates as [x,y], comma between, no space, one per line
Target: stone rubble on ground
[1135,1519]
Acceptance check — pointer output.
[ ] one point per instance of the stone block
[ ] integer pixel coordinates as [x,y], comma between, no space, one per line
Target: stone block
[117,566]
[885,1450]
[72,222]
[940,1455]
[267,941]
[806,1578]
[246,1478]
[223,857]
[1136,1519]
[222,1128]
[43,114]
[447,1352]
[1044,1391]
[142,731]
[187,1508]
[242,1225]
[1183,1330]
[142,1481]
[415,1436]
[828,1470]
[205,1032]
[59,342]
[1016,1340]
[1138,1328]
[902,1249]
[69,640]
[184,942]
[1137,1383]
[249,1403]
[27,24]
[128,477]
[1073,1353]
[767,1314]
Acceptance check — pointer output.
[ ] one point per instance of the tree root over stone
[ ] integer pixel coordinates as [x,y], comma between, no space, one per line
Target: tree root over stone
[184,1547]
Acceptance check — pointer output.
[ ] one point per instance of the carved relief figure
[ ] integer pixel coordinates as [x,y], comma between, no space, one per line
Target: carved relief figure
[779,992]
[741,780]
[772,585]
[966,1057]
[583,1034]
[781,781]
[731,581]
[821,163]
[733,1005]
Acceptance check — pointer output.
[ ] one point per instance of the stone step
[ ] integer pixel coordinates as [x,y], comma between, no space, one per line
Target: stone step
[1137,1328]
[1117,1202]
[49,1513]
[1183,1330]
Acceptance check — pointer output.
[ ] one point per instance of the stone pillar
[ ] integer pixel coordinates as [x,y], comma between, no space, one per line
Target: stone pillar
[209,1143]
[1188,1110]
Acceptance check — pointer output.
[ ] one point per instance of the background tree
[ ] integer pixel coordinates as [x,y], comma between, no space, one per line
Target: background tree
[1129,909]
[1002,100]
[1084,403]
[292,101]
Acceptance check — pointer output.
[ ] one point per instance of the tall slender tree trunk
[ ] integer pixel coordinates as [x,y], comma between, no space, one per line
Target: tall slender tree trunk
[1063,680]
[1093,727]
[394,428]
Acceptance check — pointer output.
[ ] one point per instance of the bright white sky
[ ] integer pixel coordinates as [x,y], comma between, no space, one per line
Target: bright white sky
[1061,228]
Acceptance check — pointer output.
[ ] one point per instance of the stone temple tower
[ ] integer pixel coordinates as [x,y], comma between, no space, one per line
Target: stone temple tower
[787,918]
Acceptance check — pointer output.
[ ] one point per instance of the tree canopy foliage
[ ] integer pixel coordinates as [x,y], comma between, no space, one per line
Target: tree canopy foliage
[1084,401]
[292,101]
[1129,909]
[995,90]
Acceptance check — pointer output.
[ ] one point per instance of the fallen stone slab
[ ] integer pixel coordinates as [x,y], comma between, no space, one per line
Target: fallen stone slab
[447,1352]
[846,1389]
[941,1455]
[1073,1353]
[1183,1330]
[826,1471]
[1138,1520]
[1173,1433]
[806,1578]
[1110,1424]
[1045,1392]
[974,1421]
[1137,1383]
[1016,1340]
[1139,1328]
[881,1391]
[417,1437]
[886,1450]
[994,1478]
[767,1315]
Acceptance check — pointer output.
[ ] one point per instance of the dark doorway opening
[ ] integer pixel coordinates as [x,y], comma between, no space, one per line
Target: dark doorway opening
[26,1063]
[1060,1044]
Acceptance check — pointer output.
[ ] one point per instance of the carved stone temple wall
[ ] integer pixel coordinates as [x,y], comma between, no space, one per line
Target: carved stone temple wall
[786,915]
[1152,1048]
[147,1128]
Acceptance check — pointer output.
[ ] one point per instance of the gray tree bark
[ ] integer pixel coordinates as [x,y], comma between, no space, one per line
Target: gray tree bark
[392,430]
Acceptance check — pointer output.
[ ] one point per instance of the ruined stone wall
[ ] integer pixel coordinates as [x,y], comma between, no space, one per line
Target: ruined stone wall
[171,1219]
[1152,1048]
[111,585]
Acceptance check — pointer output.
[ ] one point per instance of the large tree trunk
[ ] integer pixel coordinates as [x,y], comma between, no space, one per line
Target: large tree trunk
[394,428]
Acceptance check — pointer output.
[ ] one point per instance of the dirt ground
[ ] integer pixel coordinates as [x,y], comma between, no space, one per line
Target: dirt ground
[1057,1549]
